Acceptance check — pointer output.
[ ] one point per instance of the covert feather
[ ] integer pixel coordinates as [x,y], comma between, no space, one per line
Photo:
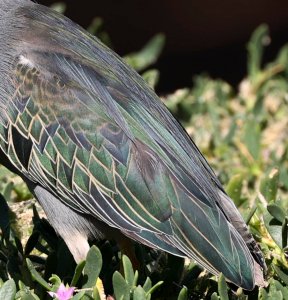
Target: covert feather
[101,152]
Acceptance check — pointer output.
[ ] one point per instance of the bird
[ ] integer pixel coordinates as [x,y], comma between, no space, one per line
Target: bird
[102,153]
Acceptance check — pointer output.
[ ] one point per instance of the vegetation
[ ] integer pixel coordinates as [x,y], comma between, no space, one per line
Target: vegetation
[242,133]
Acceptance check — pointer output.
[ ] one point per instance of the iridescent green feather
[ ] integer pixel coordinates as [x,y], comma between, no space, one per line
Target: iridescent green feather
[103,143]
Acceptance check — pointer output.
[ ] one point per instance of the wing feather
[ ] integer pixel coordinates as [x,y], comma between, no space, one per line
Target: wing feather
[103,142]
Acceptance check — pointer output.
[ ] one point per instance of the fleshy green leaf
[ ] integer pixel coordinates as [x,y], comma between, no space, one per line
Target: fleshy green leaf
[36,276]
[154,287]
[252,137]
[277,212]
[60,7]
[128,271]
[121,288]
[281,274]
[222,288]
[8,290]
[147,284]
[258,40]
[214,296]
[234,188]
[274,228]
[183,295]
[139,294]
[25,293]
[148,55]
[92,267]
[151,77]
[77,273]
[269,185]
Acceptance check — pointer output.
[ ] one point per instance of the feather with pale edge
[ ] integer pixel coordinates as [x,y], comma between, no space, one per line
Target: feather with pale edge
[97,147]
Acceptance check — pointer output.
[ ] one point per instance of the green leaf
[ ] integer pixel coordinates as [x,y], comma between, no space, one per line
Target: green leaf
[183,295]
[274,228]
[232,131]
[128,271]
[222,288]
[8,190]
[155,286]
[8,290]
[36,276]
[252,137]
[148,55]
[96,28]
[274,293]
[139,294]
[282,57]
[135,280]
[120,286]
[92,267]
[251,214]
[151,77]
[78,272]
[269,185]
[283,289]
[214,296]
[283,276]
[55,280]
[258,39]
[234,188]
[147,284]
[25,293]
[22,192]
[277,212]
[60,7]
[263,294]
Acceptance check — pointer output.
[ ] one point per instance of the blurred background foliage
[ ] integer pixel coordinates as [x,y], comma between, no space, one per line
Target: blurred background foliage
[243,134]
[200,35]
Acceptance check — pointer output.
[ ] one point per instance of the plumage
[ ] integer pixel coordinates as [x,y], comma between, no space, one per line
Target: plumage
[97,147]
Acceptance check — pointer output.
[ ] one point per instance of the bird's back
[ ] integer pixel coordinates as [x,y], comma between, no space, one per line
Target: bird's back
[80,123]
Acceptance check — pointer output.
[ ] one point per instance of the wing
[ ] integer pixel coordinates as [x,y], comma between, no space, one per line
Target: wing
[88,129]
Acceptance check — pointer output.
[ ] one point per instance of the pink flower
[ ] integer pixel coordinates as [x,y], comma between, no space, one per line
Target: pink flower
[63,293]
